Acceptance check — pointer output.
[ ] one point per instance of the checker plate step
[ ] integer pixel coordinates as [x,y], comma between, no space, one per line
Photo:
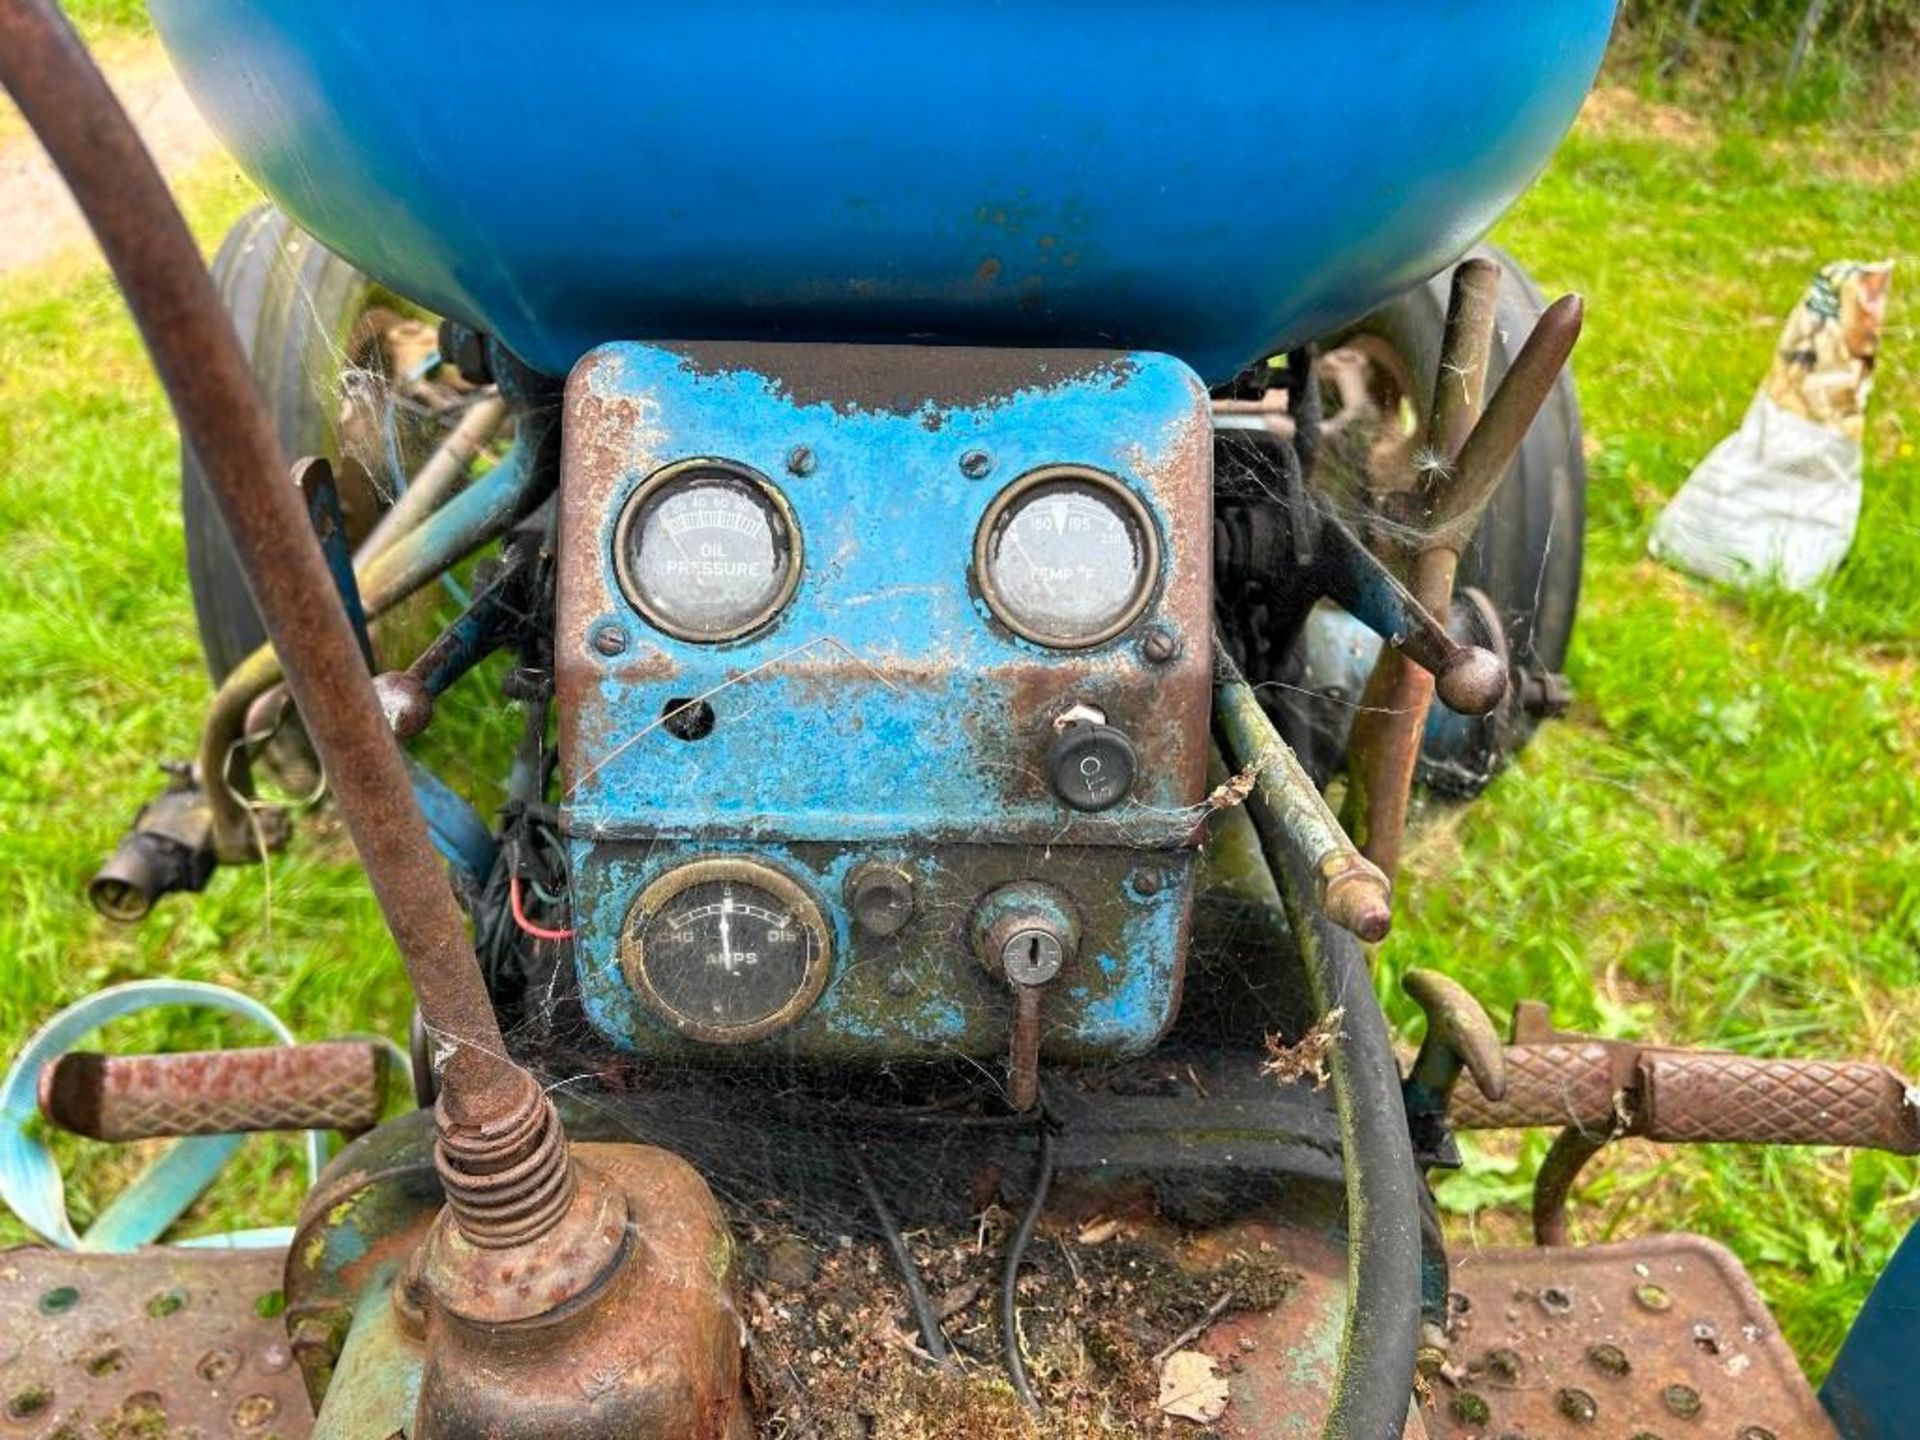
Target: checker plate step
[161,1343]
[1656,1339]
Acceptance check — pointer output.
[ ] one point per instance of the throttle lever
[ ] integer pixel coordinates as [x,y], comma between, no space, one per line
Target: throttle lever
[1469,679]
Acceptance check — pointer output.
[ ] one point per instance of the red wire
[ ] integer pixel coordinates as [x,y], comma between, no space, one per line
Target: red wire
[527,927]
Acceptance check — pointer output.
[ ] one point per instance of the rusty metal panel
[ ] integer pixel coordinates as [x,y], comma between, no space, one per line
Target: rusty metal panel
[1663,1337]
[166,1341]
[883,713]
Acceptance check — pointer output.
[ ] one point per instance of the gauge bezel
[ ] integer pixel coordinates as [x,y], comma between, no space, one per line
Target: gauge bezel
[694,468]
[1118,490]
[677,881]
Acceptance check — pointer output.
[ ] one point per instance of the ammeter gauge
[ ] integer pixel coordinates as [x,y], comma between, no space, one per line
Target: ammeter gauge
[707,550]
[726,951]
[1066,557]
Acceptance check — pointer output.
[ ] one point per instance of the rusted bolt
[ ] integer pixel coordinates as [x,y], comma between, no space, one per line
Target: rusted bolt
[1682,1400]
[1148,880]
[1646,1435]
[1159,645]
[1555,1301]
[610,638]
[1578,1406]
[1505,1365]
[1652,1297]
[976,464]
[1706,1338]
[1609,1359]
[1471,1409]
[800,460]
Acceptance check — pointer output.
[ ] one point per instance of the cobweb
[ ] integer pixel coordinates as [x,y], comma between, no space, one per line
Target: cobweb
[883,1212]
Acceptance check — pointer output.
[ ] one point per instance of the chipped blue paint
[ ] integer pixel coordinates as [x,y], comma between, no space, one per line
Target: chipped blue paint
[891,703]
[1114,999]
[884,712]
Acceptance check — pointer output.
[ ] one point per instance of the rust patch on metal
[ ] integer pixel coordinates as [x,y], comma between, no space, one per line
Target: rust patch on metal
[902,379]
[1661,1337]
[161,1342]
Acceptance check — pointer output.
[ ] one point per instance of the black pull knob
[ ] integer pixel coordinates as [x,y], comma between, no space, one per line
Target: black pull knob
[1092,765]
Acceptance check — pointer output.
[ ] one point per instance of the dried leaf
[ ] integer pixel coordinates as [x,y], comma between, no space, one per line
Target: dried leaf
[1191,1388]
[1100,1231]
[1307,1059]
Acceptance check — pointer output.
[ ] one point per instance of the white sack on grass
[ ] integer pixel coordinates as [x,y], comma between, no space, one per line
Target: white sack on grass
[1778,501]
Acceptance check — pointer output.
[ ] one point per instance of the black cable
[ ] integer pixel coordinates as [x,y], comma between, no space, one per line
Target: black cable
[1373,1384]
[921,1303]
[1016,1253]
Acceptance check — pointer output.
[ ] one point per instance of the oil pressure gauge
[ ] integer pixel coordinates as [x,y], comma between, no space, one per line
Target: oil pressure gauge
[1066,557]
[707,550]
[726,951]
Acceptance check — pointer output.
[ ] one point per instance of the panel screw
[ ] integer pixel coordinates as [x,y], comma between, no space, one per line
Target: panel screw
[1652,1297]
[800,461]
[976,464]
[1578,1406]
[1682,1400]
[1755,1432]
[1148,880]
[1556,1301]
[610,639]
[1159,645]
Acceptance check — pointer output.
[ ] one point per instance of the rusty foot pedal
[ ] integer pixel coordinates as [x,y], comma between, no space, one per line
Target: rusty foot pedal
[1657,1339]
[167,1341]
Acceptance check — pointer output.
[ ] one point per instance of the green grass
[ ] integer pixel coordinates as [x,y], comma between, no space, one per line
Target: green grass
[1718,846]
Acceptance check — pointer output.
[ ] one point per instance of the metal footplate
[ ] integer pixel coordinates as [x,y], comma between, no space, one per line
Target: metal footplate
[167,1341]
[1655,1339]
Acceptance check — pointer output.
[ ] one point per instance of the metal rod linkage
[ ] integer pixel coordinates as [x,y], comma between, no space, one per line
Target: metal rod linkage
[1347,886]
[64,97]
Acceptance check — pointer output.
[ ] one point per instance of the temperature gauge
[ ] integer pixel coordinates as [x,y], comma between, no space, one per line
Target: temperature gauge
[726,951]
[1066,557]
[707,551]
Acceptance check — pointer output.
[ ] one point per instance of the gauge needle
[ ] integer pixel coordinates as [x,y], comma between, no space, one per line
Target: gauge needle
[1033,566]
[726,932]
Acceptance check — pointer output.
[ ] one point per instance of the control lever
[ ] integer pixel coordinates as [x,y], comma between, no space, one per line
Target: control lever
[1471,680]
[1026,933]
[1473,449]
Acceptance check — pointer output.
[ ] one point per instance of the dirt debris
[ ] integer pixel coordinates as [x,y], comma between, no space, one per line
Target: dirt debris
[840,1357]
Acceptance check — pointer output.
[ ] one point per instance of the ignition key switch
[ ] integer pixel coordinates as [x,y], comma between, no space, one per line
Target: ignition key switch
[1025,933]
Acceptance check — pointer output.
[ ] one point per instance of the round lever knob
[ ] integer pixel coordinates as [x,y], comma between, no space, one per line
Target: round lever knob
[1471,681]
